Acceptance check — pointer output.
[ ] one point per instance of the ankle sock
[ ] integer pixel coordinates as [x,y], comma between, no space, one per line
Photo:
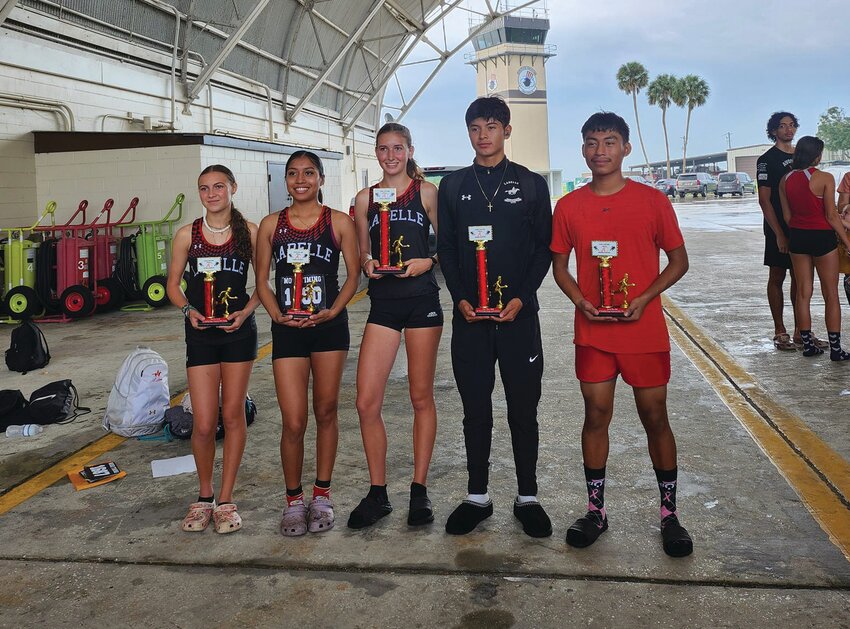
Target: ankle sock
[294,496]
[206,498]
[322,488]
[378,493]
[809,347]
[667,487]
[479,499]
[418,490]
[835,351]
[521,500]
[595,480]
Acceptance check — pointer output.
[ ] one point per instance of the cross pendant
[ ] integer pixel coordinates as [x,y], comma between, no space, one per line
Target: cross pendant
[490,206]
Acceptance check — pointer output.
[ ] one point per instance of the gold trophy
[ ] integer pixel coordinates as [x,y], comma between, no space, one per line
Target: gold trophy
[481,234]
[298,258]
[497,288]
[209,267]
[606,250]
[383,197]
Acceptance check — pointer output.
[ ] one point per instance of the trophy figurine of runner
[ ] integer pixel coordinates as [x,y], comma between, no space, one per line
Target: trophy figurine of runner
[209,267]
[383,197]
[606,250]
[481,234]
[298,258]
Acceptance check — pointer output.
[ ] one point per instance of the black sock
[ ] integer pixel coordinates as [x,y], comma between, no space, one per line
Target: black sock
[667,486]
[835,351]
[295,492]
[323,484]
[206,498]
[418,490]
[809,347]
[595,479]
[378,493]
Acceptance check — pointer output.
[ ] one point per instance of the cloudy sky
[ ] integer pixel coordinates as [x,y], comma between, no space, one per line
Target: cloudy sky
[757,57]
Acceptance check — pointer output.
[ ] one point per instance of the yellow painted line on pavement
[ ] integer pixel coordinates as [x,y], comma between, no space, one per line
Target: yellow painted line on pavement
[58,471]
[817,473]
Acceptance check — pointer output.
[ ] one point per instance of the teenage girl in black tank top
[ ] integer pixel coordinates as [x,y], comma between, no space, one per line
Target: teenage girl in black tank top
[222,357]
[321,274]
[408,302]
[316,345]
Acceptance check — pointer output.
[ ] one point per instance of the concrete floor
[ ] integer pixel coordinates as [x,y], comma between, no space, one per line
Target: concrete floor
[114,555]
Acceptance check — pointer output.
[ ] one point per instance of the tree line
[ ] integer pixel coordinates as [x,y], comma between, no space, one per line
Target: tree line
[690,91]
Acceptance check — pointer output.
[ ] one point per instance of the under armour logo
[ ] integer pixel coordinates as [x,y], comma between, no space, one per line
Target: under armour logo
[466,197]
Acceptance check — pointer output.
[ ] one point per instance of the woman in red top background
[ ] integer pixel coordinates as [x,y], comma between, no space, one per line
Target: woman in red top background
[808,206]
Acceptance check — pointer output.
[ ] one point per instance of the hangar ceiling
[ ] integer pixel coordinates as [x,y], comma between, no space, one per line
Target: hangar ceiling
[334,55]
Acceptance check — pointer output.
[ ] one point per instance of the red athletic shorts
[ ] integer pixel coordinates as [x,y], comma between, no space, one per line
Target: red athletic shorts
[638,370]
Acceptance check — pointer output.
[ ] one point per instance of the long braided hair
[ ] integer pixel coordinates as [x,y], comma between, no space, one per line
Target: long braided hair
[241,233]
[413,169]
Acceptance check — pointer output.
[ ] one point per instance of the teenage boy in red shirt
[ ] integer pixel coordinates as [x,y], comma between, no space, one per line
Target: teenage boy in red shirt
[628,223]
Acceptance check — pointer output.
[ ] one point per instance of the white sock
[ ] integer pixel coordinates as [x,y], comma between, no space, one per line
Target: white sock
[521,500]
[479,499]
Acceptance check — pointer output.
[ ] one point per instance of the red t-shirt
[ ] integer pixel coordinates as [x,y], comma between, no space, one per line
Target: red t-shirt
[642,222]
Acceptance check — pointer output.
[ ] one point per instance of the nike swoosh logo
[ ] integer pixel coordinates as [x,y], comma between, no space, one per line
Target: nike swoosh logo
[531,360]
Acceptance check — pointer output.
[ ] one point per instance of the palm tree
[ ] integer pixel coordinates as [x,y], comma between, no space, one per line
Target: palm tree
[660,92]
[632,77]
[691,92]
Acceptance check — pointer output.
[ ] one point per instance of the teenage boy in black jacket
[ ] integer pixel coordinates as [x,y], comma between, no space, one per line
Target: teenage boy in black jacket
[514,203]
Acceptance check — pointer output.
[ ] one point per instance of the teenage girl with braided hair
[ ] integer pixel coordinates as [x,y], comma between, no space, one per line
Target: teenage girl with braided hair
[217,358]
[408,302]
[316,345]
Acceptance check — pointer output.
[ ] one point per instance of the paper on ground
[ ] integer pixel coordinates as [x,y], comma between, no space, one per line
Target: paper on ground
[171,467]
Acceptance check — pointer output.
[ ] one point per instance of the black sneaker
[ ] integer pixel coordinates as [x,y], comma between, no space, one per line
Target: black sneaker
[369,511]
[586,530]
[535,522]
[675,539]
[467,516]
[420,511]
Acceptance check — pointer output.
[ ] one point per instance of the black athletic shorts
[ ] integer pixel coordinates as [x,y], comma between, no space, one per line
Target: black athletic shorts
[812,242]
[422,311]
[772,255]
[238,351]
[301,342]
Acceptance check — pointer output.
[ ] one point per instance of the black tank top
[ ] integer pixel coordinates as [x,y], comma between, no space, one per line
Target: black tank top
[233,275]
[322,272]
[408,218]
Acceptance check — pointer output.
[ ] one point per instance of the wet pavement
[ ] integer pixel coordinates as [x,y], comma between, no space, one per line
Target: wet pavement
[114,554]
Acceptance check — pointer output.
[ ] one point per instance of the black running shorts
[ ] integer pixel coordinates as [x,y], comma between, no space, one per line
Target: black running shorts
[422,311]
[772,255]
[812,242]
[301,342]
[238,351]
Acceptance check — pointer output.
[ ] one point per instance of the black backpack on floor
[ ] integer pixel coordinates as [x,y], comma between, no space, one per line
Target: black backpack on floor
[28,350]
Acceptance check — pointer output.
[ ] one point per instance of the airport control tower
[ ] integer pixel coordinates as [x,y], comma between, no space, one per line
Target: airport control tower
[509,58]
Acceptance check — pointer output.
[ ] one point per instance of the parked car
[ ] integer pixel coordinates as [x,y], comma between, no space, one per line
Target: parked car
[735,183]
[667,186]
[695,184]
[640,179]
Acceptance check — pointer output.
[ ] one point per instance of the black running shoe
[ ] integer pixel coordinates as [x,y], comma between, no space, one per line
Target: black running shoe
[676,541]
[535,522]
[420,511]
[586,530]
[467,516]
[368,512]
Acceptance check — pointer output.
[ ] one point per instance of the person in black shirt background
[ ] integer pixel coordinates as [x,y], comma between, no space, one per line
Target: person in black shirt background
[770,168]
[515,203]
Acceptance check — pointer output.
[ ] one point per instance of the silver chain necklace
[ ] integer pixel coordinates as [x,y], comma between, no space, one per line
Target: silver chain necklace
[480,187]
[215,230]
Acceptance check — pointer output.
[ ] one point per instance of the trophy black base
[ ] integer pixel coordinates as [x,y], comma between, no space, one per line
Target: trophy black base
[388,270]
[487,312]
[214,322]
[611,312]
[299,314]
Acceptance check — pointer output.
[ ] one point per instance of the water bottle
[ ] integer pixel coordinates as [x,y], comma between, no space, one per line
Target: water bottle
[27,430]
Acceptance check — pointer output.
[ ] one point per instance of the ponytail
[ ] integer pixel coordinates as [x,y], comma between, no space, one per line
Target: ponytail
[241,234]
